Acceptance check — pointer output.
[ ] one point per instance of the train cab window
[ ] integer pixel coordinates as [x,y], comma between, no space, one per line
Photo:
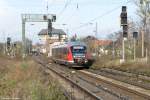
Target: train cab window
[78,49]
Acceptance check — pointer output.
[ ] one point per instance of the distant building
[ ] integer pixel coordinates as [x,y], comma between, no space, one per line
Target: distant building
[91,38]
[98,42]
[97,46]
[103,42]
[57,35]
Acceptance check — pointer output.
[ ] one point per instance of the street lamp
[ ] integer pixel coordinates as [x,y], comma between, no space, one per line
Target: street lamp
[95,40]
[67,30]
[95,31]
[113,45]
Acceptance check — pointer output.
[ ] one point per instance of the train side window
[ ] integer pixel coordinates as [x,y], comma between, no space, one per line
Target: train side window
[65,51]
[61,50]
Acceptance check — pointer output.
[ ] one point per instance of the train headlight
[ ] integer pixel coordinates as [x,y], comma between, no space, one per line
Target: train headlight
[86,61]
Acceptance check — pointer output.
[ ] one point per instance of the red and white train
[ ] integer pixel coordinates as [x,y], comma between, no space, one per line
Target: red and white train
[70,53]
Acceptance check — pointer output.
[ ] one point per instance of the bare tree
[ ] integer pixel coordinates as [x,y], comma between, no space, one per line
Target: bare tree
[143,11]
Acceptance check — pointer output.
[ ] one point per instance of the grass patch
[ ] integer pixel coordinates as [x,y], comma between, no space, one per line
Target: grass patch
[128,66]
[27,81]
[51,92]
[24,65]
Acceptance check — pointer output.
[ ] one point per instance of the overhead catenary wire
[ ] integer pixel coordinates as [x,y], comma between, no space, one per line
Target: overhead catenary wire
[64,8]
[71,15]
[47,6]
[100,16]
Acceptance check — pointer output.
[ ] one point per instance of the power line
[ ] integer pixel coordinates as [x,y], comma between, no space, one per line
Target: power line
[66,5]
[106,13]
[49,4]
[71,15]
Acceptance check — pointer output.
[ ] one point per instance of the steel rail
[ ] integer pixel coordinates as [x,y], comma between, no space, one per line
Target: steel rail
[86,91]
[127,87]
[75,84]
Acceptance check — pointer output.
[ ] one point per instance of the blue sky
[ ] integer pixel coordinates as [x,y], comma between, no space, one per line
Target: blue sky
[75,14]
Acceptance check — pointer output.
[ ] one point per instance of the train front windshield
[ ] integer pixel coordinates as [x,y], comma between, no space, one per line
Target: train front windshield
[78,49]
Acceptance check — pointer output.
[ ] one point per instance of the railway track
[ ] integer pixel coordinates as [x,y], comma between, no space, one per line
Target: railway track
[139,80]
[139,75]
[71,89]
[89,86]
[125,88]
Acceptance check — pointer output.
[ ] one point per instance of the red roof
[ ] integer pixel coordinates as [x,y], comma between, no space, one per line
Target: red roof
[103,42]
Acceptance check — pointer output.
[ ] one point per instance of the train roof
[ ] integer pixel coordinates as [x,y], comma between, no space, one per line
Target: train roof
[76,43]
[66,44]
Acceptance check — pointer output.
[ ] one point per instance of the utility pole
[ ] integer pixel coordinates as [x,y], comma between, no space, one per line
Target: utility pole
[46,18]
[4,46]
[23,39]
[134,49]
[113,52]
[67,34]
[146,55]
[96,29]
[135,36]
[95,37]
[142,32]
[123,49]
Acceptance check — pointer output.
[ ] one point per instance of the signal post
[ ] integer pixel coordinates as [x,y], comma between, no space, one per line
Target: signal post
[124,24]
[36,18]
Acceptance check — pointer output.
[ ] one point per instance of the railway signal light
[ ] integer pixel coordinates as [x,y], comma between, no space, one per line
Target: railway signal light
[8,41]
[125,28]
[135,35]
[124,16]
[123,19]
[125,34]
[49,27]
[45,17]
[15,45]
[141,1]
[124,9]
[125,31]
[54,18]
